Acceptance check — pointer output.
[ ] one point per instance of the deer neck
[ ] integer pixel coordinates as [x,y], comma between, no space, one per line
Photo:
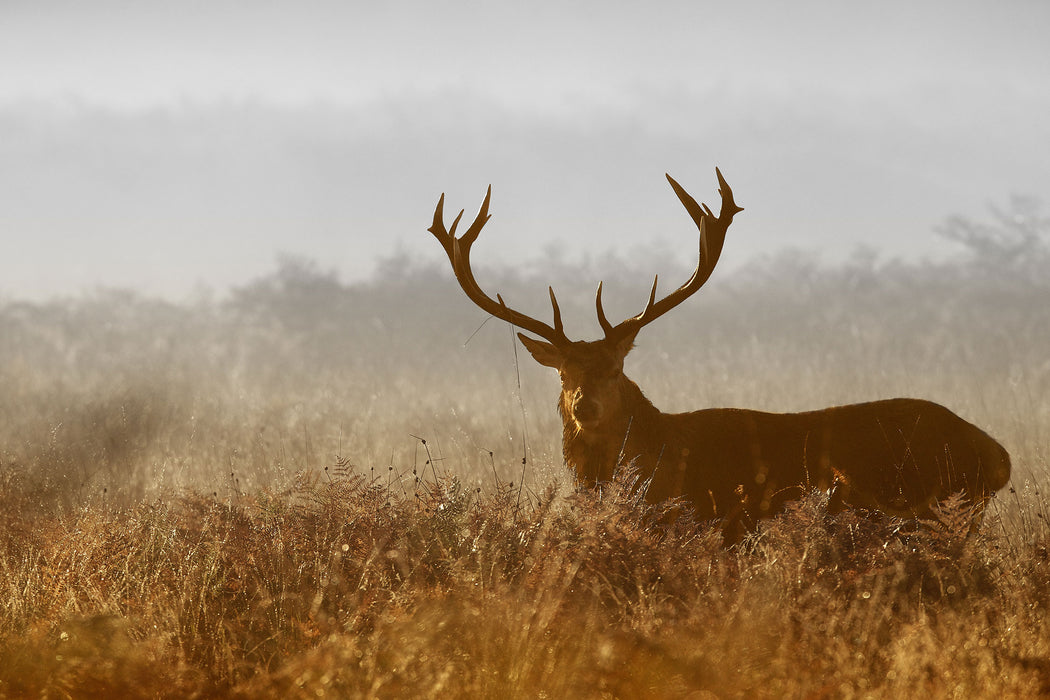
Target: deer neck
[628,431]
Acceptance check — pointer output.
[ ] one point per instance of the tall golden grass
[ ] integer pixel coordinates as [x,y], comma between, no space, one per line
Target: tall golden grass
[346,587]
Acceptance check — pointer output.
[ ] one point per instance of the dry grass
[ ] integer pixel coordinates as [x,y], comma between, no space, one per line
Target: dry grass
[349,588]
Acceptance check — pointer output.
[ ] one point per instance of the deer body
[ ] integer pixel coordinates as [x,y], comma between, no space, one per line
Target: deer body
[899,456]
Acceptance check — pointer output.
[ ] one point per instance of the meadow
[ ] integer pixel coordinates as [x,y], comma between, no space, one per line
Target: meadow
[310,488]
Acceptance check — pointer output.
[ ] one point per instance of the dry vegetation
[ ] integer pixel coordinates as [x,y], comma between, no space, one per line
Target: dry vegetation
[177,520]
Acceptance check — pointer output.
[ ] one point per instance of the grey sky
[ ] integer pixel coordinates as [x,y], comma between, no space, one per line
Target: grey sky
[159,145]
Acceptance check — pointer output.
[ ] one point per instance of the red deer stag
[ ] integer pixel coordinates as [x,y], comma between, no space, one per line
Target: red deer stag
[899,456]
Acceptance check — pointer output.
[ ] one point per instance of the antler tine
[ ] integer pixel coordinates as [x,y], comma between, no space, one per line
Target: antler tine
[726,193]
[652,293]
[602,320]
[445,237]
[712,237]
[558,327]
[458,251]
[480,220]
[455,223]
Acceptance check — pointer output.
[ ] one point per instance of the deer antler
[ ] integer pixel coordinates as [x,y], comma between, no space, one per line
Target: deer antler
[712,237]
[458,250]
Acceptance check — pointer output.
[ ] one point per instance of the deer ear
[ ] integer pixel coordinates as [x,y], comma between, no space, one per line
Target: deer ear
[544,353]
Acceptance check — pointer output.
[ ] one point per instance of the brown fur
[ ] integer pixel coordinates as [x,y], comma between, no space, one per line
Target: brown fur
[897,456]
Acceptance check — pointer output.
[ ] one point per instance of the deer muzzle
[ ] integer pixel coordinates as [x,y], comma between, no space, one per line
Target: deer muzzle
[585,410]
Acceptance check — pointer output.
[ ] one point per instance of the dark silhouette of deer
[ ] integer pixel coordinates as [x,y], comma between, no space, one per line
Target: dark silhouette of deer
[898,456]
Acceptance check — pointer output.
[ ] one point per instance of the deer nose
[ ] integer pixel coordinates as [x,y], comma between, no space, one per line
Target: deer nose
[585,409]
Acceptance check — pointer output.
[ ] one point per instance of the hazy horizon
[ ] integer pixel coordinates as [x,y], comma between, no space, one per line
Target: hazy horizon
[162,147]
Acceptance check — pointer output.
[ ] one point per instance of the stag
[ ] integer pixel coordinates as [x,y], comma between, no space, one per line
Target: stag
[898,456]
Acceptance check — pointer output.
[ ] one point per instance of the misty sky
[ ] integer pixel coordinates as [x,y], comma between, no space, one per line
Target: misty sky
[165,146]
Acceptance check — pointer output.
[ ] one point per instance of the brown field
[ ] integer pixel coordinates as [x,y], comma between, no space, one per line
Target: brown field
[314,489]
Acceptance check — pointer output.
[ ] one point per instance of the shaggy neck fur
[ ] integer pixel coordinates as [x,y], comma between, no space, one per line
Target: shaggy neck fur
[631,427]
